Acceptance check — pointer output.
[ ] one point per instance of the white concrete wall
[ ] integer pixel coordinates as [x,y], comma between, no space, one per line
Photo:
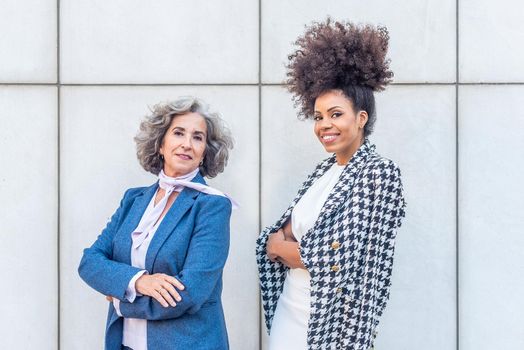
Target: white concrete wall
[77,76]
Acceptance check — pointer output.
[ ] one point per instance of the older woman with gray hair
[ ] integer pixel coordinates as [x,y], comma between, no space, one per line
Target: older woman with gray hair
[159,261]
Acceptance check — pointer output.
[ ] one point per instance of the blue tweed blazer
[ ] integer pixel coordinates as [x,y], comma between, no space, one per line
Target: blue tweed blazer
[191,244]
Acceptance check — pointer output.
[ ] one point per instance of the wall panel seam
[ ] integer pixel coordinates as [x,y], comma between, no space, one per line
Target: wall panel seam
[245,84]
[58,94]
[260,323]
[457,240]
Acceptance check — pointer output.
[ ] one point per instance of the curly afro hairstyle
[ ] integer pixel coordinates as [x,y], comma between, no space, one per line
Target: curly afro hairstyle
[339,56]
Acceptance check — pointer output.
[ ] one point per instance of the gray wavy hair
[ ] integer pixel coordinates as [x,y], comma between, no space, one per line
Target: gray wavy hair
[154,127]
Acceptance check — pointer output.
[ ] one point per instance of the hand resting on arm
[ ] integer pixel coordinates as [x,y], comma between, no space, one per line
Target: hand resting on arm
[283,247]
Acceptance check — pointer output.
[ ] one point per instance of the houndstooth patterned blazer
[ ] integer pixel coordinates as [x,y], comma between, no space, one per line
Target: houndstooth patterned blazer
[348,252]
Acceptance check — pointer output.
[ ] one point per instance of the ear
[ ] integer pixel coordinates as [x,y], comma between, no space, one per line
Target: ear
[203,156]
[161,149]
[362,119]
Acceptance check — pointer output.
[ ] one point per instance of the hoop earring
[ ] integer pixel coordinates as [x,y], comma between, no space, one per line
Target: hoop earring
[201,163]
[161,157]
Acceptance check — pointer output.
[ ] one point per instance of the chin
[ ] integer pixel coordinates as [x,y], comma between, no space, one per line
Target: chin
[185,170]
[329,149]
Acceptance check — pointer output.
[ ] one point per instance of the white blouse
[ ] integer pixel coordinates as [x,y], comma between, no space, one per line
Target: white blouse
[135,329]
[290,323]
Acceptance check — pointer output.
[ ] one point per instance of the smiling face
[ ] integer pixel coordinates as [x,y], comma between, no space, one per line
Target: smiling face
[338,126]
[184,144]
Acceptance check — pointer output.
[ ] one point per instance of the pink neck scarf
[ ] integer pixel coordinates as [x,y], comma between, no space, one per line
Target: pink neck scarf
[170,185]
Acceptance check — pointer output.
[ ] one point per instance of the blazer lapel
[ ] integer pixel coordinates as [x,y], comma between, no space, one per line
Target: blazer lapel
[318,172]
[123,247]
[182,204]
[345,183]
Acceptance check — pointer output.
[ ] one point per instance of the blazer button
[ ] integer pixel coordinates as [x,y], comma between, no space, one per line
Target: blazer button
[335,268]
[335,245]
[338,290]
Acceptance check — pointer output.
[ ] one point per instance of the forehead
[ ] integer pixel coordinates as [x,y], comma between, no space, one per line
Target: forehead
[332,98]
[189,121]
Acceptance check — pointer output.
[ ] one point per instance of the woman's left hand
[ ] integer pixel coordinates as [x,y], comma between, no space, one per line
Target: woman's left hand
[160,287]
[109,298]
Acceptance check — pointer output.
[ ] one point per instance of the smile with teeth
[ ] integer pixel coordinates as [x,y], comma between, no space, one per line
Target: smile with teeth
[329,138]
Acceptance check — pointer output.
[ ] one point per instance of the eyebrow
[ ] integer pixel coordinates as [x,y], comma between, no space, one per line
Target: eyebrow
[183,129]
[329,110]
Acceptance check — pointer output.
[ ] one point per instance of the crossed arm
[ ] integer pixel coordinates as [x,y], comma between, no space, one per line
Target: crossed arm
[205,260]
[283,247]
[190,288]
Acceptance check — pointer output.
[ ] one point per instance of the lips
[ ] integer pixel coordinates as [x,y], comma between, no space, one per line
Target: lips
[184,156]
[329,138]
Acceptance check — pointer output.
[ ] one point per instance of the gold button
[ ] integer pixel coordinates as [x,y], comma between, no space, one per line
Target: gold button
[339,290]
[335,268]
[335,245]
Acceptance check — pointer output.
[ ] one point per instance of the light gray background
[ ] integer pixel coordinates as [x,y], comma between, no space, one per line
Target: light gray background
[76,77]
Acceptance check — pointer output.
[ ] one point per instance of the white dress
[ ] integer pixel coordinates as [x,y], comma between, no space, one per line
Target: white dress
[290,323]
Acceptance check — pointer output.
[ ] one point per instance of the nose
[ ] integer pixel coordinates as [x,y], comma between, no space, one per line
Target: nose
[324,124]
[187,143]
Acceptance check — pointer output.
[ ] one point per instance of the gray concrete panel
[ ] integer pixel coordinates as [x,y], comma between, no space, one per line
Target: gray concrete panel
[29,201]
[491,221]
[422,44]
[99,163]
[159,42]
[415,128]
[490,37]
[28,41]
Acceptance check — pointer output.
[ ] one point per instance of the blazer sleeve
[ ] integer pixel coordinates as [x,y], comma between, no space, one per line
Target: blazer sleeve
[271,276]
[386,217]
[205,260]
[97,268]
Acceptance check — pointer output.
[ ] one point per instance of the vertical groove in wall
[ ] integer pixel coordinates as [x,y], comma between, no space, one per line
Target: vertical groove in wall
[457,245]
[261,326]
[58,92]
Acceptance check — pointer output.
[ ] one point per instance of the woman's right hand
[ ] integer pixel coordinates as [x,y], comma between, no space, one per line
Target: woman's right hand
[273,241]
[161,287]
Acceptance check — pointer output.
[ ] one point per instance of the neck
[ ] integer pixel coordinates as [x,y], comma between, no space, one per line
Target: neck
[344,157]
[176,174]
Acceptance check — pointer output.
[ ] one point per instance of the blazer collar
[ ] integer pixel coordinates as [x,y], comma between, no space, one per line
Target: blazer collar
[183,202]
[346,181]
[123,247]
[342,187]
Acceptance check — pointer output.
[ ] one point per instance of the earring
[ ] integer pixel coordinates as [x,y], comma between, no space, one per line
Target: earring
[161,157]
[201,162]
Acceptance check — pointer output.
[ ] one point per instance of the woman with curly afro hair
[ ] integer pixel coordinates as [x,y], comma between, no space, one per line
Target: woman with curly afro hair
[325,266]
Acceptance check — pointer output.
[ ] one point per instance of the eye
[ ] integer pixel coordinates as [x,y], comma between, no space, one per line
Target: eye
[317,118]
[198,137]
[336,115]
[178,133]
